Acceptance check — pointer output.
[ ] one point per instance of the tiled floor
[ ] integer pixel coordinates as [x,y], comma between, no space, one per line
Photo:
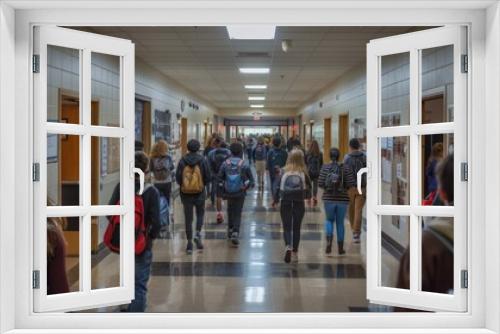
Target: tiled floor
[253,277]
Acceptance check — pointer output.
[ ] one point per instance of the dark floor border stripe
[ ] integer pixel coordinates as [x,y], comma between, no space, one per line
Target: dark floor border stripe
[392,246]
[261,270]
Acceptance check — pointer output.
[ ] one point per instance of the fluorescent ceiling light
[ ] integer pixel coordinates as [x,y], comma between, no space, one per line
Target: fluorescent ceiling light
[256,106]
[256,86]
[251,31]
[255,70]
[256,98]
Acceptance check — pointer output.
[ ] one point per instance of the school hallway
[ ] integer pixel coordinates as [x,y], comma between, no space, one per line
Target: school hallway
[252,277]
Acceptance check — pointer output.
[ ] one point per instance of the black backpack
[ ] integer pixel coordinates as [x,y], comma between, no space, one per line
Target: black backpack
[313,166]
[356,163]
[219,155]
[334,179]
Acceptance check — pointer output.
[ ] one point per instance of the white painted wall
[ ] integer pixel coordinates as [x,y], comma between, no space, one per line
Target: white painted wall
[163,92]
[348,96]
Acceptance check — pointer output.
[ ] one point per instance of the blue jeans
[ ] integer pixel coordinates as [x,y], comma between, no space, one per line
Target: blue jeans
[142,273]
[335,214]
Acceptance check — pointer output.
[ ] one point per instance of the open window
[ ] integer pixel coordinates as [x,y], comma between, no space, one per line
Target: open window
[80,139]
[407,123]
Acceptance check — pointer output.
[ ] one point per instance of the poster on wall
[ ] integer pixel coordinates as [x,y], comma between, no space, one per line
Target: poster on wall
[52,148]
[162,125]
[104,156]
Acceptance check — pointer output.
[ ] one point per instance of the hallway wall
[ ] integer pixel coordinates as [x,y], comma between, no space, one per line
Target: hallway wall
[348,96]
[163,93]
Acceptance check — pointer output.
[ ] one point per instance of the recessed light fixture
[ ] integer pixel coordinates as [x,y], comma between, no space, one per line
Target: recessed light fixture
[256,106]
[251,31]
[254,70]
[256,86]
[256,98]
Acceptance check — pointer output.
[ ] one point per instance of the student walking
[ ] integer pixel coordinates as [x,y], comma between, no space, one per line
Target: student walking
[147,207]
[353,162]
[259,156]
[235,178]
[216,159]
[192,175]
[57,279]
[276,159]
[294,188]
[335,200]
[162,167]
[314,161]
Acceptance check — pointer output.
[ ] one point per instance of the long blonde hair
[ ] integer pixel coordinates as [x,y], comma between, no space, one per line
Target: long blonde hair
[160,149]
[295,162]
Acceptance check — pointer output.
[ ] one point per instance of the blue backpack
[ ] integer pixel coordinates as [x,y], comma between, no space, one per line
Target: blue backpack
[164,211]
[234,180]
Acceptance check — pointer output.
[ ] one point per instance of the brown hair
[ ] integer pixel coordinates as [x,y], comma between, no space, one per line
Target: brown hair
[437,151]
[295,162]
[55,227]
[314,148]
[160,149]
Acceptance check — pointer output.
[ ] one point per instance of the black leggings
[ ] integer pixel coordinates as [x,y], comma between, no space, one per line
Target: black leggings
[189,203]
[234,208]
[292,213]
[165,188]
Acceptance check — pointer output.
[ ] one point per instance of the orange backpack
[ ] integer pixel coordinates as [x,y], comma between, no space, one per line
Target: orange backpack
[192,181]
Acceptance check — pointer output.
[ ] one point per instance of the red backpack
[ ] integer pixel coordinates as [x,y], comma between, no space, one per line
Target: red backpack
[112,234]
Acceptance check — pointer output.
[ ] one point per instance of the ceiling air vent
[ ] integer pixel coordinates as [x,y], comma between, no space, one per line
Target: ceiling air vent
[253,55]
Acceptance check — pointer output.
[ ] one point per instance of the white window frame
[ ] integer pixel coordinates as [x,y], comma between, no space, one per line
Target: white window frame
[412,44]
[483,309]
[85,44]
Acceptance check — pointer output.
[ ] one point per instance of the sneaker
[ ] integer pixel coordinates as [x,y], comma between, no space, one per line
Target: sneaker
[220,217]
[356,238]
[295,257]
[189,247]
[234,239]
[197,241]
[288,255]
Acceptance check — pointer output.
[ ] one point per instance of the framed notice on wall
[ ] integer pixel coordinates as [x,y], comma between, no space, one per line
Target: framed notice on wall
[52,148]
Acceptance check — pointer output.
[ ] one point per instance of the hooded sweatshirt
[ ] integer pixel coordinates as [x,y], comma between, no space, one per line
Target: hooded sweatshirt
[351,177]
[192,159]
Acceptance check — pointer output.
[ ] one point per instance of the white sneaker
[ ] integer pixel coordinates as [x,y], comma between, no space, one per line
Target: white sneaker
[295,257]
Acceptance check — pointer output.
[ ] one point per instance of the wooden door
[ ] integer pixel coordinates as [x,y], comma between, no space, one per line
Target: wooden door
[343,135]
[327,140]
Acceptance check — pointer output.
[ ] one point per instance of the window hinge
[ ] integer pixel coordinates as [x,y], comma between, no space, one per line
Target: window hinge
[36,64]
[36,279]
[36,172]
[464,171]
[464,279]
[465,63]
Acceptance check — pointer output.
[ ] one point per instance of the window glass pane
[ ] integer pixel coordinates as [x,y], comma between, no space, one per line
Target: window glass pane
[105,170]
[395,170]
[437,254]
[63,85]
[105,90]
[105,264]
[437,84]
[63,169]
[63,254]
[395,239]
[437,150]
[395,89]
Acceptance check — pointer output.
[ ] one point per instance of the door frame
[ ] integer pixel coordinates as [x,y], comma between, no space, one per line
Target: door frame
[485,309]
